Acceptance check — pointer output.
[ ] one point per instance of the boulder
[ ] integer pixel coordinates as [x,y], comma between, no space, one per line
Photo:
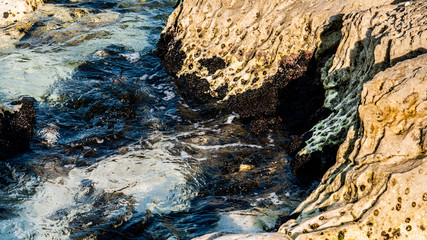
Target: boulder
[16,10]
[255,58]
[376,189]
[17,120]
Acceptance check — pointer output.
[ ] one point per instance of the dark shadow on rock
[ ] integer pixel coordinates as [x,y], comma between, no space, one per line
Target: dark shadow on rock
[311,167]
[16,127]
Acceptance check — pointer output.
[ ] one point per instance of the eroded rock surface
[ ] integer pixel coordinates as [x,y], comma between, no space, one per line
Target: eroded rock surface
[376,190]
[372,40]
[254,55]
[16,10]
[17,120]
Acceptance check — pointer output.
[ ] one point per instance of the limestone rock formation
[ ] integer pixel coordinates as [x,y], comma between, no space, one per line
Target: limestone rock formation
[16,10]
[376,190]
[372,40]
[17,120]
[254,56]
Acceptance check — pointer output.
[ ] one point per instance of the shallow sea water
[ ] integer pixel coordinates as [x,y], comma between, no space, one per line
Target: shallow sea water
[117,153]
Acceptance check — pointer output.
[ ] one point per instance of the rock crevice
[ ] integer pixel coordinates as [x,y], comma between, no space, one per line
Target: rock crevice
[377,180]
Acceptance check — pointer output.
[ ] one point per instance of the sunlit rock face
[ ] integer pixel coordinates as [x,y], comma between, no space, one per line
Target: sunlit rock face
[253,56]
[234,53]
[372,41]
[16,10]
[376,190]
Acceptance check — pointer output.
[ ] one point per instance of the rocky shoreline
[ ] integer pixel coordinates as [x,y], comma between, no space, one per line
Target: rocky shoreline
[275,63]
[345,79]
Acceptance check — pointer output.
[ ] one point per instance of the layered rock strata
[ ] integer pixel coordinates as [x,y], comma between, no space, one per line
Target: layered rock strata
[239,53]
[372,40]
[376,190]
[17,120]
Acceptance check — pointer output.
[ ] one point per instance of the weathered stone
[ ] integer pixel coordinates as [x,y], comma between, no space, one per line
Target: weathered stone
[265,50]
[372,40]
[376,190]
[16,10]
[17,121]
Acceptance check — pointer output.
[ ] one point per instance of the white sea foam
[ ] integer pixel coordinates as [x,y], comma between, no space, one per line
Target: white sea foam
[273,198]
[30,71]
[231,118]
[247,221]
[50,134]
[132,57]
[142,180]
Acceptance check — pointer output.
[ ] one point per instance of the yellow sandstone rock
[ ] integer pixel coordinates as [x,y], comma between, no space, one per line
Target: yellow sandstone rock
[254,37]
[376,190]
[372,41]
[16,10]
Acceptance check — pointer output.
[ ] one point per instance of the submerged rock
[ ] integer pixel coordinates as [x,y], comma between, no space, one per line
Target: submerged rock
[377,187]
[17,120]
[54,23]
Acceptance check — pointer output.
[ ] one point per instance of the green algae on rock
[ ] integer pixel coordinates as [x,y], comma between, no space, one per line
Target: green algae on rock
[373,40]
[376,188]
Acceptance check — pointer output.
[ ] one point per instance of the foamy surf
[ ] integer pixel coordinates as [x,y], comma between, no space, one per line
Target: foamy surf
[108,193]
[58,52]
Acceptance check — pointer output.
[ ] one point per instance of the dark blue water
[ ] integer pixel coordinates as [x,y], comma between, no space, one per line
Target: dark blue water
[118,154]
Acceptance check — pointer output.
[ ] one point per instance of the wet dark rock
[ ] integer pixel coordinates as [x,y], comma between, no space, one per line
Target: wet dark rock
[213,64]
[294,94]
[17,120]
[169,50]
[312,166]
